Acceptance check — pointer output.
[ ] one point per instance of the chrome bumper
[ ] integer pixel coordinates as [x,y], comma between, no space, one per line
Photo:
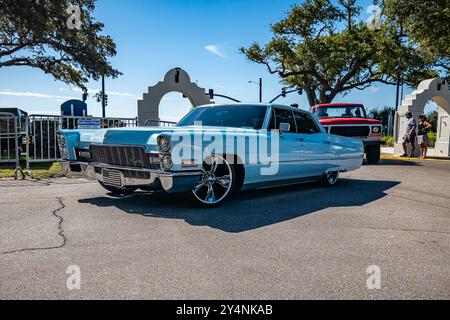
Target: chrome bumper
[171,182]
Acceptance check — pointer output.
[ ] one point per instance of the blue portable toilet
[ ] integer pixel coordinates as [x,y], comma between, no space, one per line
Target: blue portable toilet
[74,108]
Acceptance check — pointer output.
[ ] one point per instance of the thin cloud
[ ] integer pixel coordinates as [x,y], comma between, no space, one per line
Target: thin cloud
[33,95]
[93,91]
[374,88]
[215,49]
[121,94]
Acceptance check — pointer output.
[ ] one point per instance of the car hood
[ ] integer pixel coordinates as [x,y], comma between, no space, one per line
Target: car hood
[144,135]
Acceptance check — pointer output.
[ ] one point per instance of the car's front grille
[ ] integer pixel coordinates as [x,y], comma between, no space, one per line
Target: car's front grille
[124,156]
[351,131]
[135,174]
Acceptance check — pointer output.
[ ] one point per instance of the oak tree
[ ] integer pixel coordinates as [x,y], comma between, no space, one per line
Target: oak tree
[323,47]
[59,37]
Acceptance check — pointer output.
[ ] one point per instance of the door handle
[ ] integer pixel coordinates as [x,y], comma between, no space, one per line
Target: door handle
[301,140]
[327,142]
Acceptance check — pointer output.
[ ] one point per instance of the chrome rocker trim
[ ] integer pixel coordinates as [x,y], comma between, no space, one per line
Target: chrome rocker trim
[170,182]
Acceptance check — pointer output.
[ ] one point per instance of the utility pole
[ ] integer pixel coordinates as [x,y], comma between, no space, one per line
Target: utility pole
[103,97]
[397,96]
[260,90]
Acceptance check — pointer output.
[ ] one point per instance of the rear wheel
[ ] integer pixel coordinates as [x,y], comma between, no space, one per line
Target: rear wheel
[216,184]
[373,154]
[117,190]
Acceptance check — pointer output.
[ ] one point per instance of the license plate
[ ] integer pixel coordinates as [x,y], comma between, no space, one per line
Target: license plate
[112,178]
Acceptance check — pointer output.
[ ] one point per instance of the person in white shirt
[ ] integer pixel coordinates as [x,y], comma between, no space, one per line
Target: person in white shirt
[410,135]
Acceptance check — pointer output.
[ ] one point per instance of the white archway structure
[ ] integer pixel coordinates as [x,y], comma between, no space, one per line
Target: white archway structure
[436,90]
[175,80]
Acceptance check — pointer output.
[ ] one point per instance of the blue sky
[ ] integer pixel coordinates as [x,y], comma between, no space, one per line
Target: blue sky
[153,36]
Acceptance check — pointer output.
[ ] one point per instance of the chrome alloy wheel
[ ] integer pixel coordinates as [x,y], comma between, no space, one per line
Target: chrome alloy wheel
[215,183]
[332,177]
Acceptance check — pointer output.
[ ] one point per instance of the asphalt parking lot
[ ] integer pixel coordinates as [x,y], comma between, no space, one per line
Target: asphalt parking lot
[301,242]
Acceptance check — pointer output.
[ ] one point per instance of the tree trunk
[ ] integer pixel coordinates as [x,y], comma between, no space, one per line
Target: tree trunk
[311,94]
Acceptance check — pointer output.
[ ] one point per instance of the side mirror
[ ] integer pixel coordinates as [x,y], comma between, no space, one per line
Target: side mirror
[371,116]
[285,127]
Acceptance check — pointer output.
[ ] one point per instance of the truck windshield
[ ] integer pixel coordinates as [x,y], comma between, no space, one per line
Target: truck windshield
[341,112]
[247,117]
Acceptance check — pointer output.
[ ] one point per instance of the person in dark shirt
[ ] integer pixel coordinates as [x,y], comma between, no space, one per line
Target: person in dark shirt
[422,137]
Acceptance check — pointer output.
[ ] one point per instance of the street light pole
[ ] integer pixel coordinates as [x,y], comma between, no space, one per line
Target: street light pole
[260,84]
[260,90]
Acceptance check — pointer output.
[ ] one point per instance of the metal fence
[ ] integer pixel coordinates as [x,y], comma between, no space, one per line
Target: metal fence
[41,133]
[36,138]
[159,123]
[10,140]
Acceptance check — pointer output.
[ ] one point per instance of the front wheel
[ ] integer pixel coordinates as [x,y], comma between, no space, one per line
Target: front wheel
[216,184]
[373,154]
[330,178]
[117,190]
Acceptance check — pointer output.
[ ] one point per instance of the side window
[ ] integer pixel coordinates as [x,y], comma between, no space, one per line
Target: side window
[305,124]
[281,115]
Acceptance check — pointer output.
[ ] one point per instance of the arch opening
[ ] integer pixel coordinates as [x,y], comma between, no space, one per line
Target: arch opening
[173,107]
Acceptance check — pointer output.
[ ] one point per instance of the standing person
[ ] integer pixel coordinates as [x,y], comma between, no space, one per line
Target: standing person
[410,135]
[422,138]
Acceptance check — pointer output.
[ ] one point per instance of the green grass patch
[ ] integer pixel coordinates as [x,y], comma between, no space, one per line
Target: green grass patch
[387,141]
[39,170]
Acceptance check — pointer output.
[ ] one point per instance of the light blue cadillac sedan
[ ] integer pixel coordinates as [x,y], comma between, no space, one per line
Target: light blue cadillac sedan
[212,152]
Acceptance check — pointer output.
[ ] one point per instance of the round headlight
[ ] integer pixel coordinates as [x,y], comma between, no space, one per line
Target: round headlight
[376,129]
[164,144]
[166,162]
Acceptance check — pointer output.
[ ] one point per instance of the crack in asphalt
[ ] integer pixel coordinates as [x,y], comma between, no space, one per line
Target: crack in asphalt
[62,206]
[406,230]
[418,201]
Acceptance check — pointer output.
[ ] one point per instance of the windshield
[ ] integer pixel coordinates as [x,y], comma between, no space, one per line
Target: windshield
[246,117]
[341,112]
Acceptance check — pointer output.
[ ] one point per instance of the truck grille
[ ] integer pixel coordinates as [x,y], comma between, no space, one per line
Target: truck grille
[351,131]
[125,156]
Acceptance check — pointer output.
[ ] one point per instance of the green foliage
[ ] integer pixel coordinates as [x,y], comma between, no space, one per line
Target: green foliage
[383,114]
[433,119]
[308,50]
[387,141]
[35,34]
[426,24]
[432,136]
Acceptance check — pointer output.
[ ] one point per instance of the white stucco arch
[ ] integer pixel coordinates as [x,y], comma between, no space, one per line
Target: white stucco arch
[175,80]
[436,90]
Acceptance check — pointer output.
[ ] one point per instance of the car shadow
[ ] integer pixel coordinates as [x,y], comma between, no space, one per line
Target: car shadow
[399,162]
[252,209]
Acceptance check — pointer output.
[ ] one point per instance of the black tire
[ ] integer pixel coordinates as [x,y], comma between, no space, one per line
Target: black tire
[373,154]
[118,191]
[215,180]
[329,179]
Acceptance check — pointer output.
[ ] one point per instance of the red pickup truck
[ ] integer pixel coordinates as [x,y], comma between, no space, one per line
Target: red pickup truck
[351,120]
